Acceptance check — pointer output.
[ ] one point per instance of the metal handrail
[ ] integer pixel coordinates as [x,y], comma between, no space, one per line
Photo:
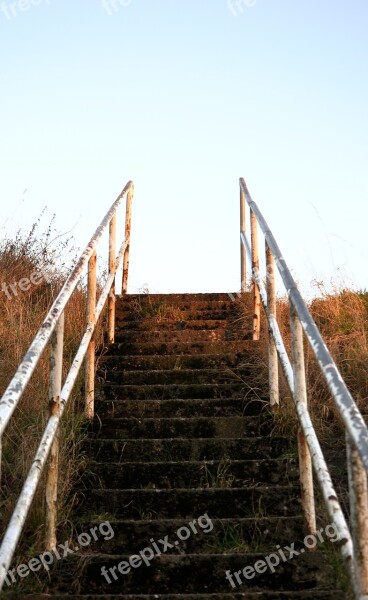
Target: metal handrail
[354,543]
[52,330]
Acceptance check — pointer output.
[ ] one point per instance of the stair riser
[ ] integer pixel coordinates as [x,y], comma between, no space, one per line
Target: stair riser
[169,299]
[307,595]
[171,574]
[227,536]
[187,450]
[215,407]
[227,427]
[210,313]
[217,503]
[172,391]
[177,336]
[125,325]
[134,363]
[204,474]
[171,347]
[177,376]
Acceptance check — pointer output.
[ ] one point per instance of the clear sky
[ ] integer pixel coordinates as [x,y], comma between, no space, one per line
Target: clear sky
[184,97]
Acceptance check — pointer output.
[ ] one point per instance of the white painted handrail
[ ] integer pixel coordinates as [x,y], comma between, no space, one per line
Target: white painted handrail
[354,541]
[52,330]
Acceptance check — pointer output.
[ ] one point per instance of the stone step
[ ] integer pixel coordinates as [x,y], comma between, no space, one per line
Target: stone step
[200,574]
[177,361]
[174,298]
[264,595]
[185,335]
[177,376]
[213,407]
[180,310]
[113,391]
[216,502]
[175,325]
[197,474]
[175,450]
[192,427]
[210,311]
[227,535]
[174,347]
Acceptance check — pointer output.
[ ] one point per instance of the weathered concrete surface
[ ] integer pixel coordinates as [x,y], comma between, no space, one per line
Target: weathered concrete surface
[182,428]
[200,474]
[206,407]
[185,449]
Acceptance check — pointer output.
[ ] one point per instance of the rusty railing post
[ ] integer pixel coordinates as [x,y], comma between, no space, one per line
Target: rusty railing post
[56,371]
[358,497]
[243,255]
[112,265]
[255,268]
[300,391]
[90,355]
[128,220]
[272,351]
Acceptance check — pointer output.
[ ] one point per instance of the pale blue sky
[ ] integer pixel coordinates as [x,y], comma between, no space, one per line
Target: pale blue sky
[184,97]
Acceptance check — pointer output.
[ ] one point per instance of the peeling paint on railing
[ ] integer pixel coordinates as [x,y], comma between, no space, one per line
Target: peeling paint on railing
[318,460]
[348,409]
[354,546]
[24,372]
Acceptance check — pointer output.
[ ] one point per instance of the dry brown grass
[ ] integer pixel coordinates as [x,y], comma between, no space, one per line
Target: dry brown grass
[20,318]
[342,318]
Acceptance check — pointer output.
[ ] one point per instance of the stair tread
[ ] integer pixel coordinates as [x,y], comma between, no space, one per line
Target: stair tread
[190,324]
[170,347]
[164,372]
[186,558]
[185,439]
[170,522]
[196,491]
[209,296]
[245,462]
[323,594]
[130,420]
[170,572]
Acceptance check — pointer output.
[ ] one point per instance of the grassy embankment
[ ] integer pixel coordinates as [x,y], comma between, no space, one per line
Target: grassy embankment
[341,317]
[44,258]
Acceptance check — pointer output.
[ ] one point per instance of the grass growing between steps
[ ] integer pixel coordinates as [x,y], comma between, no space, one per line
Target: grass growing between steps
[49,255]
[217,476]
[231,539]
[156,311]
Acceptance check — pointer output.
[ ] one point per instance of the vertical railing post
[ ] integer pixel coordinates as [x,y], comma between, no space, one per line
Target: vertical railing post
[255,269]
[112,265]
[300,391]
[90,355]
[272,352]
[358,496]
[128,220]
[243,254]
[56,369]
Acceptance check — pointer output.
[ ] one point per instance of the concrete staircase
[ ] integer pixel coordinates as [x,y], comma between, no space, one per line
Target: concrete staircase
[185,468]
